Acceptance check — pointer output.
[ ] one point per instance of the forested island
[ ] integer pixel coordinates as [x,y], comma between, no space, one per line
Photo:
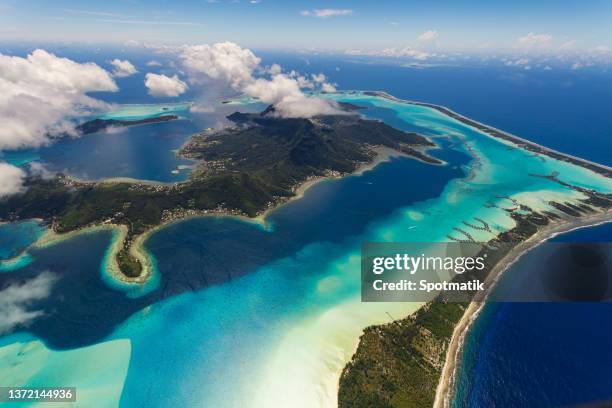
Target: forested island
[98,124]
[244,169]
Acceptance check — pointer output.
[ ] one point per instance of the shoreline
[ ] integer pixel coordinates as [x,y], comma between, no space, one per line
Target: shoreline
[382,155]
[136,249]
[50,237]
[446,385]
[139,252]
[123,180]
[599,168]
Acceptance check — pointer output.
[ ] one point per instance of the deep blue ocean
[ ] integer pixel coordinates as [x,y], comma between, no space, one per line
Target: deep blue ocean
[516,355]
[544,354]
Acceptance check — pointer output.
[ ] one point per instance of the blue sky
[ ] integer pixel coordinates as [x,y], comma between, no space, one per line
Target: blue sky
[458,24]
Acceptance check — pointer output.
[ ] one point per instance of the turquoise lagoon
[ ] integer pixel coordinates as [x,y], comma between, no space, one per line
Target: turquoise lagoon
[146,111]
[15,237]
[281,334]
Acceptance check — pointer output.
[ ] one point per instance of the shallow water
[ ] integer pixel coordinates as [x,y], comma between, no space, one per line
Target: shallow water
[146,111]
[16,237]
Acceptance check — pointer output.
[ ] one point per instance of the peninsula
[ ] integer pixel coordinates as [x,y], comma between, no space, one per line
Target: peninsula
[98,124]
[245,169]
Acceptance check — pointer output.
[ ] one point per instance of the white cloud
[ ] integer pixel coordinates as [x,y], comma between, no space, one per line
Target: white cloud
[602,49]
[327,87]
[38,169]
[114,130]
[147,22]
[11,179]
[154,63]
[321,79]
[303,82]
[326,13]
[94,13]
[226,61]
[16,298]
[164,86]
[568,45]
[318,78]
[123,68]
[240,69]
[284,93]
[275,69]
[41,93]
[532,40]
[407,52]
[428,36]
[521,62]
[202,108]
